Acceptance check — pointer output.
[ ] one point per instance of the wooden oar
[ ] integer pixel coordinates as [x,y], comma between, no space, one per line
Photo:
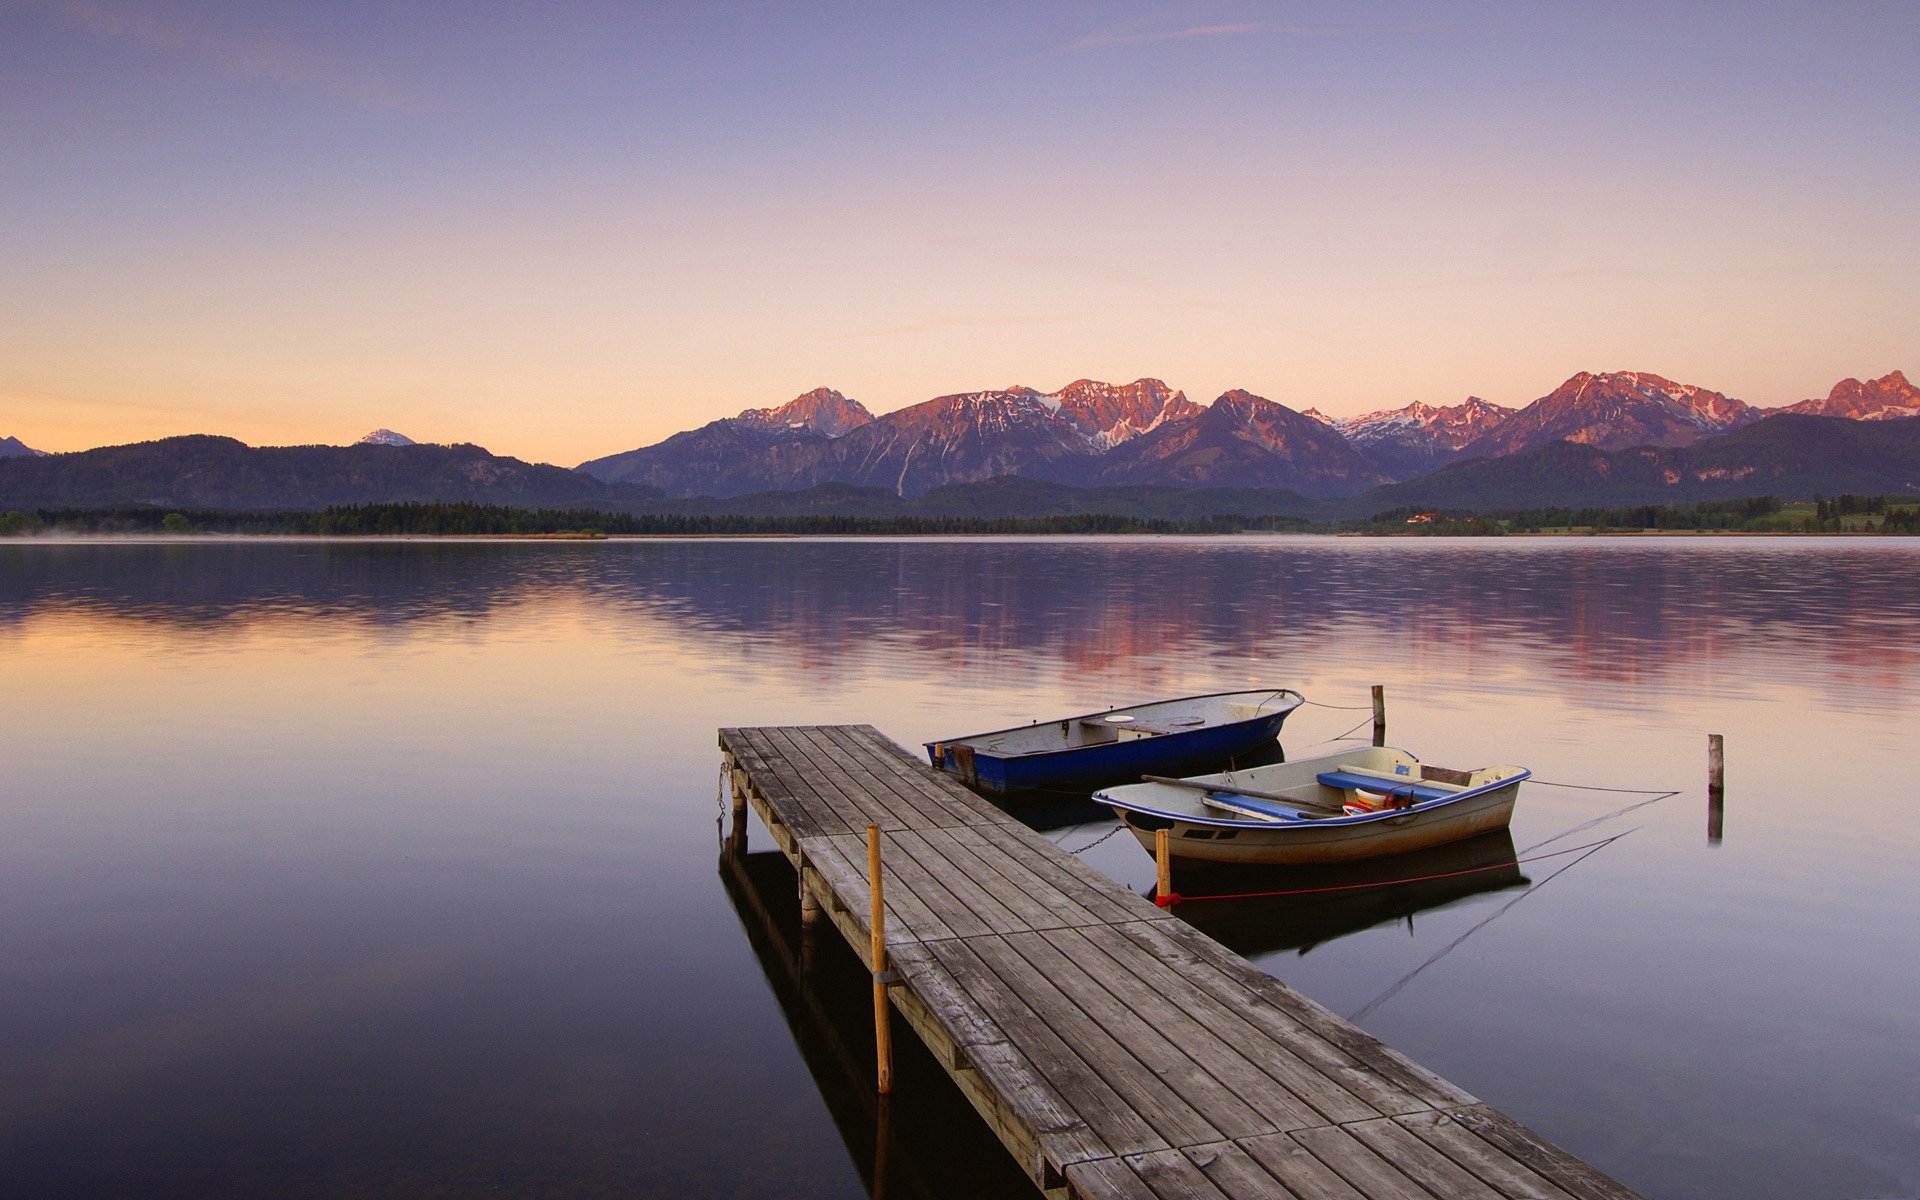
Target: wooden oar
[1226,789]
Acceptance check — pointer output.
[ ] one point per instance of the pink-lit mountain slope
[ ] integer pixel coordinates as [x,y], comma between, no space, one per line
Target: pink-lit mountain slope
[734,454]
[1887,398]
[1405,442]
[1243,440]
[1614,410]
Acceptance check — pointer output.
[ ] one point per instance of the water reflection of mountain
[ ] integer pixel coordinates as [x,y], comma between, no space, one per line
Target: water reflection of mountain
[924,1140]
[1360,895]
[1616,611]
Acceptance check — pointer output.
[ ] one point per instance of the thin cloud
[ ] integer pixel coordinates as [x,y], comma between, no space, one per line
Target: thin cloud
[255,56]
[1126,37]
[935,324]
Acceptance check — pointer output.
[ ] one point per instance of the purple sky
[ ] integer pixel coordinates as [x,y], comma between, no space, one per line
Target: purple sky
[566,230]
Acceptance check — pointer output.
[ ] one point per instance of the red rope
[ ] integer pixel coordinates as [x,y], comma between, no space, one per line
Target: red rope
[1172,898]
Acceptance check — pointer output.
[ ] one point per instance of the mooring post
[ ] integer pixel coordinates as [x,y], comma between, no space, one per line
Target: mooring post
[1379,715]
[1163,869]
[1716,788]
[882,1019]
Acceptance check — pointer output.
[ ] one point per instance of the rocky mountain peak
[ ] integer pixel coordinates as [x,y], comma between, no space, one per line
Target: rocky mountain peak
[822,410]
[1887,398]
[1108,414]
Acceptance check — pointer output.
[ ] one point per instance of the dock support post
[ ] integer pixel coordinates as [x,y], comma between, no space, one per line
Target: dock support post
[1716,788]
[737,831]
[809,904]
[1163,870]
[882,1018]
[1379,715]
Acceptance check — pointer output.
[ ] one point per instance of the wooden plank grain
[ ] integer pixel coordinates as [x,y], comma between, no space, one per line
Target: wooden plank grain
[1504,1173]
[1010,881]
[1121,1126]
[1261,1001]
[830,785]
[1351,1159]
[1199,1069]
[1296,1168]
[1420,1162]
[1522,1144]
[941,801]
[960,804]
[1353,1050]
[1151,1086]
[885,785]
[802,807]
[957,880]
[1260,1072]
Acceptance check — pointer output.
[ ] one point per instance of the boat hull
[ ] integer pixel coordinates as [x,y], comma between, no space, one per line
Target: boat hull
[1363,802]
[1082,768]
[1329,841]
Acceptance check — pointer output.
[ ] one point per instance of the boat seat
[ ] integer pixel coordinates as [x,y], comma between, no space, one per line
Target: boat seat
[1397,786]
[1144,726]
[1252,806]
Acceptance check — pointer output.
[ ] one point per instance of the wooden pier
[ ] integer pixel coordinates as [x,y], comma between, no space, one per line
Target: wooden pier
[1114,1050]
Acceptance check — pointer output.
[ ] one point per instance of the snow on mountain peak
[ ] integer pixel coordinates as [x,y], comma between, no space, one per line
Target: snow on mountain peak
[386,437]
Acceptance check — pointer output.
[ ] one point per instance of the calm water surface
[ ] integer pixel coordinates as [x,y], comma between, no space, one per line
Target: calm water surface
[383,869]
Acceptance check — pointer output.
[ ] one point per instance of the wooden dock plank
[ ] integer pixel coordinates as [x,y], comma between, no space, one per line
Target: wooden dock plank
[1116,1051]
[1122,1127]
[955,804]
[1272,1079]
[1508,1176]
[1200,1071]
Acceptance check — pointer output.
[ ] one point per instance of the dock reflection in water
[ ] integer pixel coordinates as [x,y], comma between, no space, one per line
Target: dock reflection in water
[923,1142]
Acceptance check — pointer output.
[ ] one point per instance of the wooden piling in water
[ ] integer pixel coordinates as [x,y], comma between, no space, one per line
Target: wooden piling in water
[1379,715]
[1716,788]
[882,1018]
[1163,868]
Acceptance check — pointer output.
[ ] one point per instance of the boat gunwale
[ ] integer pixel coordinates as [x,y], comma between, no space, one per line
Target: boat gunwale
[1298,700]
[1344,820]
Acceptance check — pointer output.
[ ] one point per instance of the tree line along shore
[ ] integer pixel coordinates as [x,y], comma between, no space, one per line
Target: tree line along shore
[1845,514]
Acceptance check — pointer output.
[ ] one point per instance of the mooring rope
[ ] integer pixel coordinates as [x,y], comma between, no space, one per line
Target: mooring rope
[1368,1009]
[1340,707]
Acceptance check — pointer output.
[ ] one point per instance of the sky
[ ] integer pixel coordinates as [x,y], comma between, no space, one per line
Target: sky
[562,231]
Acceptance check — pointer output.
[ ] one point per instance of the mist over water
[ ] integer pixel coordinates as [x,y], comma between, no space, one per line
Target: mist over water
[383,868]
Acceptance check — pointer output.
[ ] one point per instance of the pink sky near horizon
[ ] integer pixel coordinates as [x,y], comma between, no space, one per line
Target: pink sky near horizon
[565,234]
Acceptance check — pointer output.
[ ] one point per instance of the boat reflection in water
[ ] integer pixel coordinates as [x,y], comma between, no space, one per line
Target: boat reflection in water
[924,1140]
[1358,896]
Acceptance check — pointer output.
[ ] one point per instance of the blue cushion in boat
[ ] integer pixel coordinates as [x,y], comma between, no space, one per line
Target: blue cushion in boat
[1378,783]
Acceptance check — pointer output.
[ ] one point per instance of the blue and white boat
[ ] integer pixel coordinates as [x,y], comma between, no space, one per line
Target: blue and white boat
[1078,754]
[1359,803]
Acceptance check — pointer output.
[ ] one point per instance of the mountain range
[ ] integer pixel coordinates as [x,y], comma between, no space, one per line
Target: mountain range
[1097,434]
[13,447]
[1612,437]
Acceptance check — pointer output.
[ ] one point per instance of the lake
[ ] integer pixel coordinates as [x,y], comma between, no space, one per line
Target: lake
[393,868]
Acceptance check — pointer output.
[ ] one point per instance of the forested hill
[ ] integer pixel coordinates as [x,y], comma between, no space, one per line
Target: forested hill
[204,472]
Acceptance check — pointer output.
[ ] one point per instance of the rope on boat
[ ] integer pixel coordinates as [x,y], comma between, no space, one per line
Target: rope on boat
[1173,898]
[1339,737]
[1340,707]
